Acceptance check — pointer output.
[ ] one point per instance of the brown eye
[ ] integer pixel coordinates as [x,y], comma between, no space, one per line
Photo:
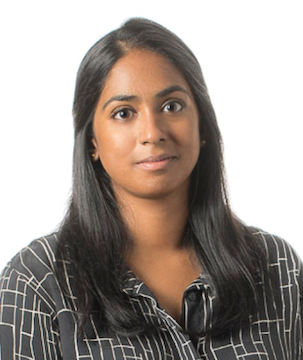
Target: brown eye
[123,114]
[173,106]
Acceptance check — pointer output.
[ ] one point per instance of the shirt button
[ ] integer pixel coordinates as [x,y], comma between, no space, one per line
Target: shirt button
[192,296]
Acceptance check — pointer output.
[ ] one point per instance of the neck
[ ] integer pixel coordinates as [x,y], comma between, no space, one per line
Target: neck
[155,224]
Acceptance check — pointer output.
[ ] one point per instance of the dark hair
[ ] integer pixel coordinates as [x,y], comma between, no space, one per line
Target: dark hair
[92,237]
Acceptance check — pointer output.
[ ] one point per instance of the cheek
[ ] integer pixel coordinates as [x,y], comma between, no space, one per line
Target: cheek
[113,147]
[191,137]
[193,147]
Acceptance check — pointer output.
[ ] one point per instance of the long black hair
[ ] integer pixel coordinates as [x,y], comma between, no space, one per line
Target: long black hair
[92,237]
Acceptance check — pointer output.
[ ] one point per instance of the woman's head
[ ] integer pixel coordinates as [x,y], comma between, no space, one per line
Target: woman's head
[141,34]
[146,128]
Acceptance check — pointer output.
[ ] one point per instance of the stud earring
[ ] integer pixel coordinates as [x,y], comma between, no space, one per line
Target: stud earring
[203,143]
[94,156]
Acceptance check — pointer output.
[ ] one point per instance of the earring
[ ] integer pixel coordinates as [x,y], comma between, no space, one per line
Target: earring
[203,143]
[94,156]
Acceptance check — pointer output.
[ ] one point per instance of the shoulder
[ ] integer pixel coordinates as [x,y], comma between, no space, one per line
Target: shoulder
[283,265]
[32,271]
[277,250]
[36,258]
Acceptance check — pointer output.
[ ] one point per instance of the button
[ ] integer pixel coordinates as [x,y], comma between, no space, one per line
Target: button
[192,296]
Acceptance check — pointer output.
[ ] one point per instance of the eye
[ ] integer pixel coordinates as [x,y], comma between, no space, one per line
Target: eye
[122,114]
[173,106]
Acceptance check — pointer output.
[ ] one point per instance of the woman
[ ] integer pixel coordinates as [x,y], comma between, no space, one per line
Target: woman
[150,262]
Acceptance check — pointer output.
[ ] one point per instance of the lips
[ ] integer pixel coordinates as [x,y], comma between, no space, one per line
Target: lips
[156,162]
[156,158]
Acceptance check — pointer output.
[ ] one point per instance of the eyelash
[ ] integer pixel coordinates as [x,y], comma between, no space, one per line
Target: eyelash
[174,102]
[179,103]
[114,115]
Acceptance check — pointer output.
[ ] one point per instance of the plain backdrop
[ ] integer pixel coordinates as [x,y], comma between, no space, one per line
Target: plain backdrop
[251,57]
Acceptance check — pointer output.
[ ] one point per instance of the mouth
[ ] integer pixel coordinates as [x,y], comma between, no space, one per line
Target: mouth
[158,162]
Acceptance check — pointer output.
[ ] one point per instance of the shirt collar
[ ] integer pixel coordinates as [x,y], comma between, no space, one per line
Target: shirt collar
[133,286]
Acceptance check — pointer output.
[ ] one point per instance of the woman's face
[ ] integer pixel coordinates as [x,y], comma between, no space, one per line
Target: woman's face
[146,127]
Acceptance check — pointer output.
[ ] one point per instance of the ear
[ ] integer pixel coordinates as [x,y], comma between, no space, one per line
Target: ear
[94,151]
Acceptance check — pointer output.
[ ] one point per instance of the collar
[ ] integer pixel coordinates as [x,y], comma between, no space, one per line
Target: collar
[133,286]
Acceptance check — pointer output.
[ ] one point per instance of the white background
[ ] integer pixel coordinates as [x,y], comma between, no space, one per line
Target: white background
[251,56]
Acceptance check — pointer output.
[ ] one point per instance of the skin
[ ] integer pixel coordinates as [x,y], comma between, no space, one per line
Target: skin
[147,109]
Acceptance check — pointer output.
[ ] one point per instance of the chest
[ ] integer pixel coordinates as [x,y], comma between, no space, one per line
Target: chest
[266,339]
[275,332]
[168,281]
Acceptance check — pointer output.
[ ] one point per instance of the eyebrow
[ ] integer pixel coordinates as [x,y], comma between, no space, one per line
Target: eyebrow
[120,98]
[160,94]
[172,89]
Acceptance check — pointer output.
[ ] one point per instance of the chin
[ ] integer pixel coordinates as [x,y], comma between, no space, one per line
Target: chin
[164,191]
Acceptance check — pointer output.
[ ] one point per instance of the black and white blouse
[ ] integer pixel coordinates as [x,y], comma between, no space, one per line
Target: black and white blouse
[36,321]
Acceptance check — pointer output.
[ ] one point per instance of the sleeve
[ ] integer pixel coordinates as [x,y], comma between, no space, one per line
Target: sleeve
[301,303]
[27,327]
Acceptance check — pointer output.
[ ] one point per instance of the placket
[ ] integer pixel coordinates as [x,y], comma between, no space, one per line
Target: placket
[197,309]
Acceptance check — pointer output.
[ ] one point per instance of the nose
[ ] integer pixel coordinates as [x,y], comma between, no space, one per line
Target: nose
[152,129]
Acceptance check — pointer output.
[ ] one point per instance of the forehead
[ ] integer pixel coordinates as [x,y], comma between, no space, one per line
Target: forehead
[142,72]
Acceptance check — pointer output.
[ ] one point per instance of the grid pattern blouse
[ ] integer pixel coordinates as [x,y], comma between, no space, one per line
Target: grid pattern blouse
[37,323]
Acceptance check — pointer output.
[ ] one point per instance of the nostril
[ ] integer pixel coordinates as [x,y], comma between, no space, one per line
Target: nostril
[145,142]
